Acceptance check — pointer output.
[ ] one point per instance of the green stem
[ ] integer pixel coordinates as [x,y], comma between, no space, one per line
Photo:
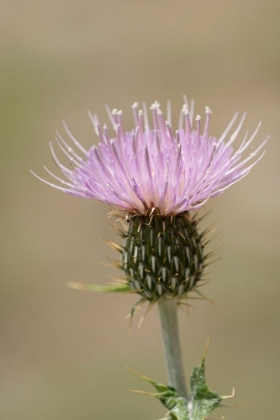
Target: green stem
[171,344]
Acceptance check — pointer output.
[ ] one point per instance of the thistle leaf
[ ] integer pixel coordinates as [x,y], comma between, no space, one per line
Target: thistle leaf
[203,400]
[170,398]
[201,403]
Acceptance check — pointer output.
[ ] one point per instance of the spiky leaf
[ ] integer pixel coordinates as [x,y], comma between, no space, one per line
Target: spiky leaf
[203,400]
[201,403]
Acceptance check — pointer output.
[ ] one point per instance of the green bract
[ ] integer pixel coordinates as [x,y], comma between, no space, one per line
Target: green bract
[162,255]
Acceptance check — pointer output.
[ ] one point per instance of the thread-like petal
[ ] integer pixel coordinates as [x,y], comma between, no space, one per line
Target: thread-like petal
[156,169]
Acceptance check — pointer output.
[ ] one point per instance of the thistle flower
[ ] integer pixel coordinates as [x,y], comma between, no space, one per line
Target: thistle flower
[155,177]
[155,168]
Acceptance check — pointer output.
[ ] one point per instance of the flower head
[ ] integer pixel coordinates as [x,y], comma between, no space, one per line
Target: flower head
[156,169]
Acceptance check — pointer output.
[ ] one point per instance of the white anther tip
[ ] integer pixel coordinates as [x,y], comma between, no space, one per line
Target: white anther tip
[198,118]
[208,110]
[155,105]
[135,105]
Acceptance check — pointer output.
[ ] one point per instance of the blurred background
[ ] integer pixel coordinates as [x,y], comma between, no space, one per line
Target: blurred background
[63,351]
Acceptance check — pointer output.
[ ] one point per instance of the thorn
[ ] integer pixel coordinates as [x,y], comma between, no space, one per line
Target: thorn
[237,405]
[133,371]
[113,245]
[202,217]
[106,264]
[213,302]
[212,262]
[151,304]
[76,286]
[229,396]
[211,239]
[151,394]
[219,415]
[206,348]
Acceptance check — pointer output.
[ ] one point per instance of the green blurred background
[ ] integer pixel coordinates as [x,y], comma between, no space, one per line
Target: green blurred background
[63,351]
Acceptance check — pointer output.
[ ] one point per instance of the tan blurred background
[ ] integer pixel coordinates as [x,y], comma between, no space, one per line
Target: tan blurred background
[63,351]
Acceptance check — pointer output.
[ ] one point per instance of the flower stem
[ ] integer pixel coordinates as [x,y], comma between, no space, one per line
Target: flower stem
[171,344]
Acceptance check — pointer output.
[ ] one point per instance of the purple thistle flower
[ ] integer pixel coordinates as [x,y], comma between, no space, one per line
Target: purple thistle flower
[156,169]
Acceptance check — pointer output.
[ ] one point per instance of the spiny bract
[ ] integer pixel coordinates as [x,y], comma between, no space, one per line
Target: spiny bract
[163,256]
